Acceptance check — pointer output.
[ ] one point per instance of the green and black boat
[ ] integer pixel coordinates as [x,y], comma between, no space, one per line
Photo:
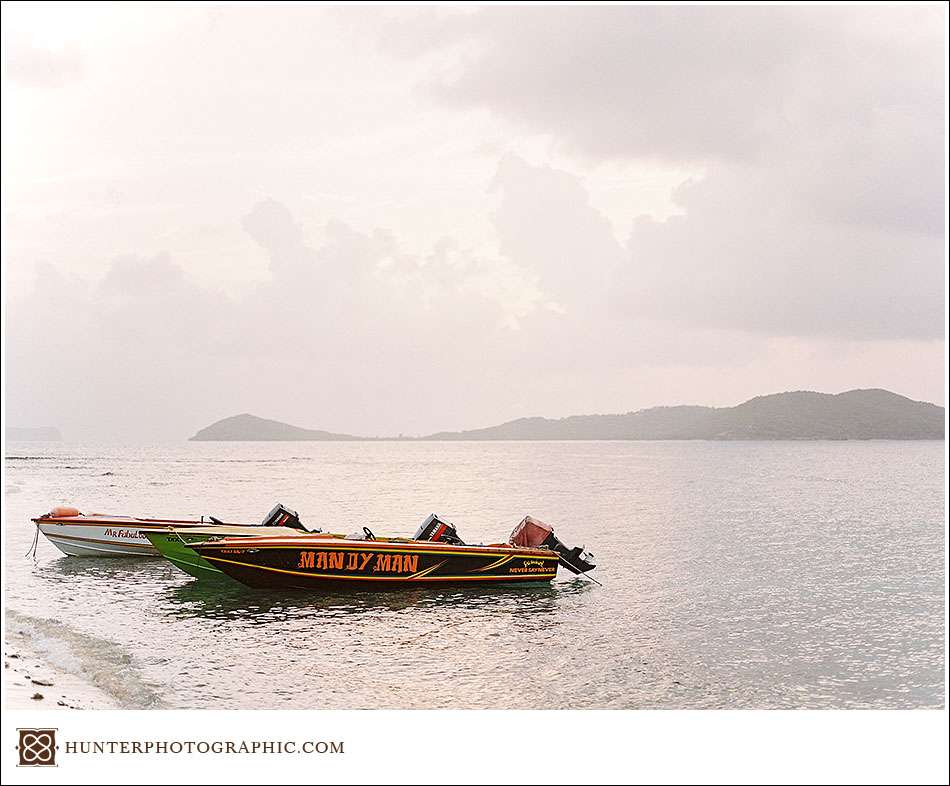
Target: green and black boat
[434,555]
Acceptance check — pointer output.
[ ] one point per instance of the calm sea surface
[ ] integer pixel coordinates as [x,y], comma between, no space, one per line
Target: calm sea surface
[735,575]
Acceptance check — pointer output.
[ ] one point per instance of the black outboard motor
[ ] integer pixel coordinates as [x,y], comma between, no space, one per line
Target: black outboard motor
[575,560]
[280,516]
[531,533]
[436,530]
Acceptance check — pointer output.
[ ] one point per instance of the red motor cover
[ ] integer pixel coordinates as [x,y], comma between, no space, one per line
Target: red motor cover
[530,533]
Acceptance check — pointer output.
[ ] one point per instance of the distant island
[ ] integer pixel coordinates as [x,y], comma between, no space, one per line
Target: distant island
[37,434]
[250,428]
[800,415]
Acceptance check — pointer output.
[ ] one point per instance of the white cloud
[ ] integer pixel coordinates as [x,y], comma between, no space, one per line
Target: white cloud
[821,131]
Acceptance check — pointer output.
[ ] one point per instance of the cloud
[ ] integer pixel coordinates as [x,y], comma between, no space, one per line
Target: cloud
[370,270]
[821,130]
[747,256]
[679,82]
[273,227]
[546,222]
[136,277]
[341,325]
[32,64]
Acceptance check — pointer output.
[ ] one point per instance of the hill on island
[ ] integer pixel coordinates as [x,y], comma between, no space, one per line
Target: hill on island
[254,429]
[856,414]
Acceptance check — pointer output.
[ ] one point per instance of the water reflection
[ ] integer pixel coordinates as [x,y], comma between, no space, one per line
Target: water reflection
[120,571]
[226,599]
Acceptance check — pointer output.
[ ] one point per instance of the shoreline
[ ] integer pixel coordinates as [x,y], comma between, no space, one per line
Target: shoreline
[32,682]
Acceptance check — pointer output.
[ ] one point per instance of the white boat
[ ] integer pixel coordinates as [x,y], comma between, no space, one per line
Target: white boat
[99,535]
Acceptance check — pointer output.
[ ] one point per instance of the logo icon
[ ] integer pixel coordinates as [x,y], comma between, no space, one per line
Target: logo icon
[37,748]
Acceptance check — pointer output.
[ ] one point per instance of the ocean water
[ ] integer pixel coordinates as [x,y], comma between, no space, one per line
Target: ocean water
[735,575]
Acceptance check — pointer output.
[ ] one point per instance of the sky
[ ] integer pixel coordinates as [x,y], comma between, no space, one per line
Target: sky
[400,220]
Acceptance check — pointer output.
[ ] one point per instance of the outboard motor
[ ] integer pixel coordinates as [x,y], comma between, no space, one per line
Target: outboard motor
[280,516]
[436,530]
[531,533]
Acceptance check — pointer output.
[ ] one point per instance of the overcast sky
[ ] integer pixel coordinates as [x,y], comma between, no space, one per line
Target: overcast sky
[385,220]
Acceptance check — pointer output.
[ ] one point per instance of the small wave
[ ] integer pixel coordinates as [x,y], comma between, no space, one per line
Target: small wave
[281,460]
[67,458]
[99,662]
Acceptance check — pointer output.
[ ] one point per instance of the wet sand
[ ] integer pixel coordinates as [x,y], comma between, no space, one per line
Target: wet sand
[32,683]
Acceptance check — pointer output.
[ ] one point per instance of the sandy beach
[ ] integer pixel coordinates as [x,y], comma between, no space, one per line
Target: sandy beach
[31,682]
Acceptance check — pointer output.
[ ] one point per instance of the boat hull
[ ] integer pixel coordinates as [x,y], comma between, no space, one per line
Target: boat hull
[174,547]
[98,541]
[306,563]
[108,536]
